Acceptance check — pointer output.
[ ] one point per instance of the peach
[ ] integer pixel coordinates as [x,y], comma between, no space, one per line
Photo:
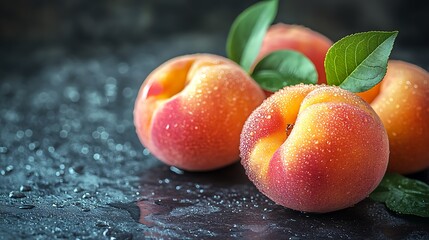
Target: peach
[401,100]
[190,111]
[314,148]
[299,38]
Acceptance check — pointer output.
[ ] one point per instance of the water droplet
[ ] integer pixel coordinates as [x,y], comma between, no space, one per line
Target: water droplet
[3,149]
[56,230]
[84,150]
[86,209]
[96,156]
[25,188]
[58,205]
[26,206]
[63,134]
[15,194]
[72,94]
[146,152]
[119,147]
[20,134]
[86,195]
[101,224]
[28,133]
[176,170]
[104,135]
[76,169]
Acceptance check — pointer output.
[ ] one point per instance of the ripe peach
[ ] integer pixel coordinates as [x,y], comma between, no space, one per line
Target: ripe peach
[304,40]
[190,111]
[314,148]
[401,100]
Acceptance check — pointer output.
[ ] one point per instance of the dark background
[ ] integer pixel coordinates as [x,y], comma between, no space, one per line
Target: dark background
[68,22]
[71,165]
[73,25]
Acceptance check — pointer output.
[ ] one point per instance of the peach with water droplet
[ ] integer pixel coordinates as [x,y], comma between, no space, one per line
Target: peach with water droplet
[401,100]
[190,111]
[314,148]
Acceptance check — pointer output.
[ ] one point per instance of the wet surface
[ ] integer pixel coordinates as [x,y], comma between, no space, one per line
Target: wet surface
[71,165]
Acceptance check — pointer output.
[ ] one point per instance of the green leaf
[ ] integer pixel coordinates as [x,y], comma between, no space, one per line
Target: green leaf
[247,32]
[359,61]
[403,195]
[284,68]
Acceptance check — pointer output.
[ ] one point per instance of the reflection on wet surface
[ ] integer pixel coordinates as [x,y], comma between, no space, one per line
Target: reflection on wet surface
[225,204]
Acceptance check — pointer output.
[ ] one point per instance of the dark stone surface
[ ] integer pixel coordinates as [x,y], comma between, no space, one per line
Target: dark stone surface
[71,165]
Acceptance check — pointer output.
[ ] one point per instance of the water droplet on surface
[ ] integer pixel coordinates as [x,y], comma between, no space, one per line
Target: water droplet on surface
[72,94]
[176,170]
[101,224]
[86,209]
[15,194]
[3,149]
[32,146]
[20,134]
[86,195]
[28,133]
[146,152]
[25,188]
[7,170]
[63,134]
[96,156]
[26,206]
[76,169]
[58,205]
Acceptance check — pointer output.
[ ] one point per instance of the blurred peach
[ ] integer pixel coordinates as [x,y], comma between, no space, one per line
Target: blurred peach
[401,100]
[298,38]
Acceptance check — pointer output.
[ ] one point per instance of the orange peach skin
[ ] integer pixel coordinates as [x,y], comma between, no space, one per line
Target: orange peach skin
[190,111]
[401,100]
[304,40]
[314,148]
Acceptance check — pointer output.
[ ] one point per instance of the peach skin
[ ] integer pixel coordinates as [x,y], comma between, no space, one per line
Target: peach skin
[401,100]
[190,111]
[314,148]
[299,38]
